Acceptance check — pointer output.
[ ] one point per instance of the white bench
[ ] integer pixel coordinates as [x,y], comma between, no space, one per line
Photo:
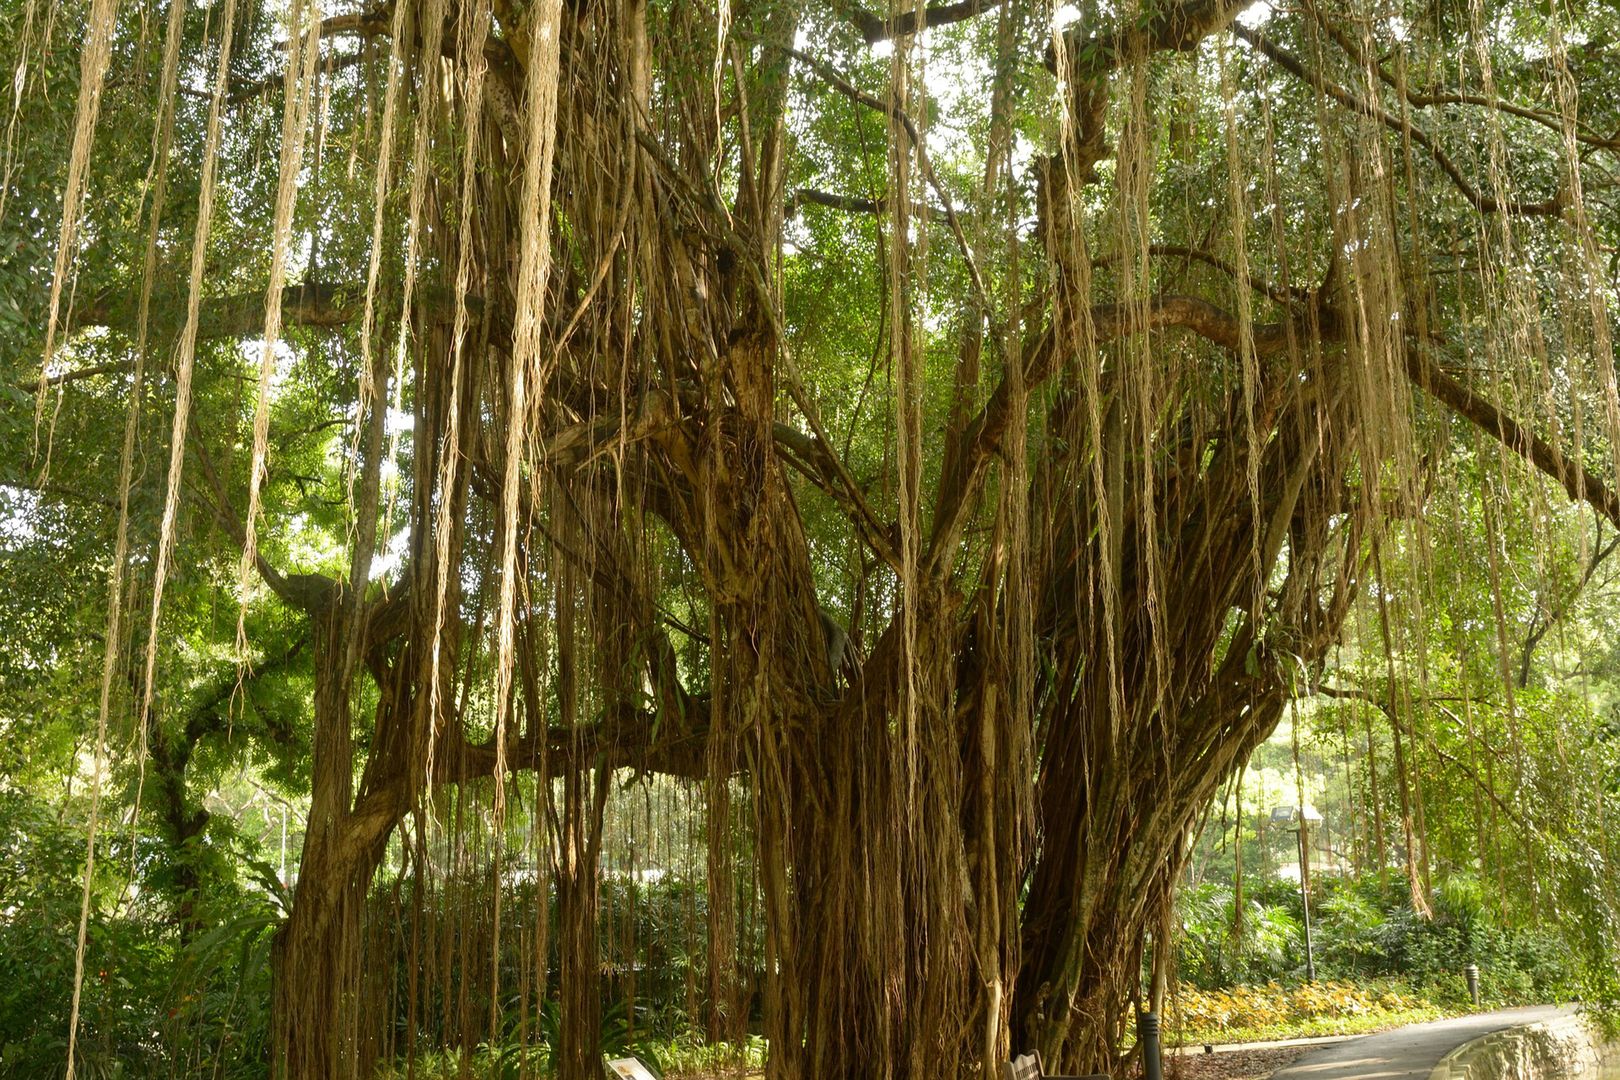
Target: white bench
[1029,1067]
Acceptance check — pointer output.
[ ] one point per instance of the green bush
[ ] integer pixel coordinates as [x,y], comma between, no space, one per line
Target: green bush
[121,1012]
[1270,1010]
[152,1003]
[1366,930]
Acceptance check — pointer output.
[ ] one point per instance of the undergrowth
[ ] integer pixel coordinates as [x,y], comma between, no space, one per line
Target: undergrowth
[1273,1011]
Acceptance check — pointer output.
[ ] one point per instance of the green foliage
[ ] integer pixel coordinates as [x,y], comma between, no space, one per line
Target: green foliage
[1270,1011]
[688,1055]
[1217,950]
[126,961]
[1484,654]
[1366,933]
[153,1001]
[220,987]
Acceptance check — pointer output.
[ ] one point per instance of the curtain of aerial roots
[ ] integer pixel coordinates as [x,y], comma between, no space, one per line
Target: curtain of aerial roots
[102,24]
[1281,429]
[103,21]
[1181,530]
[1529,299]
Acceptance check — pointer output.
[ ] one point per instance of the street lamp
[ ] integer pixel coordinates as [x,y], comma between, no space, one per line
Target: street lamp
[1298,820]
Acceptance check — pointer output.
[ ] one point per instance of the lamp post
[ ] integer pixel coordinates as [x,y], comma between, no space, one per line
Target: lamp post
[1298,820]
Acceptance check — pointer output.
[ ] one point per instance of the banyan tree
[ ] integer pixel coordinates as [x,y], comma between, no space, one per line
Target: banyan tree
[943,439]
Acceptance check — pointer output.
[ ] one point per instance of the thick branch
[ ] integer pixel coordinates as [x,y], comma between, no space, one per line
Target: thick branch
[238,315]
[875,28]
[1178,28]
[854,204]
[364,23]
[1282,294]
[632,739]
[313,304]
[1581,483]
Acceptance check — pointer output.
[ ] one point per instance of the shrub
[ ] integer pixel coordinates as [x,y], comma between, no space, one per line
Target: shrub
[1270,1010]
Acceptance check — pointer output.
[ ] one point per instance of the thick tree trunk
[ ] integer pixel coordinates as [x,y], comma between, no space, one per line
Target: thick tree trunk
[579,971]
[317,949]
[1110,864]
[318,970]
[317,955]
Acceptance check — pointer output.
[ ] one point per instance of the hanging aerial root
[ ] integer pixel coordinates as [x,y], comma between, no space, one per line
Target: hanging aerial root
[162,136]
[474,33]
[385,158]
[429,62]
[303,52]
[527,365]
[92,74]
[1239,212]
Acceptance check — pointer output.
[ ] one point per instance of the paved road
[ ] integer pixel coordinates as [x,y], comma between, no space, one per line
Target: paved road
[1408,1053]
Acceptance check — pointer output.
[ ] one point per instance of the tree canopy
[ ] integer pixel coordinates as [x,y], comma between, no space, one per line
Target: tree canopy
[889,469]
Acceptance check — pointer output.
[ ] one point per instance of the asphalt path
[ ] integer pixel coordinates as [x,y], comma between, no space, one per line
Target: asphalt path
[1409,1053]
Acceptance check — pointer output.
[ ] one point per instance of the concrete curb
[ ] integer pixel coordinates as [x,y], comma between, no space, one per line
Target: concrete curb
[1552,1049]
[1197,1049]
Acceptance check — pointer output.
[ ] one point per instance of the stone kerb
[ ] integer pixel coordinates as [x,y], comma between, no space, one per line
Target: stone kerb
[1555,1049]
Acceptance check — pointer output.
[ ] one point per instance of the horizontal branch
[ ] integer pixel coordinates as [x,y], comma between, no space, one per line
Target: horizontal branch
[316,305]
[1118,320]
[252,89]
[854,204]
[238,315]
[58,491]
[1177,28]
[1422,100]
[363,23]
[828,74]
[876,28]
[627,738]
[1552,123]
[1282,294]
[981,440]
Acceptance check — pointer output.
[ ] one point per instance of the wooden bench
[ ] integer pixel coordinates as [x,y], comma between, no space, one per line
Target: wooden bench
[1029,1067]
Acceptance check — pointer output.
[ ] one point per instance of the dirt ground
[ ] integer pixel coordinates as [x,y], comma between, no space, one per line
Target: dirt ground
[1256,1064]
